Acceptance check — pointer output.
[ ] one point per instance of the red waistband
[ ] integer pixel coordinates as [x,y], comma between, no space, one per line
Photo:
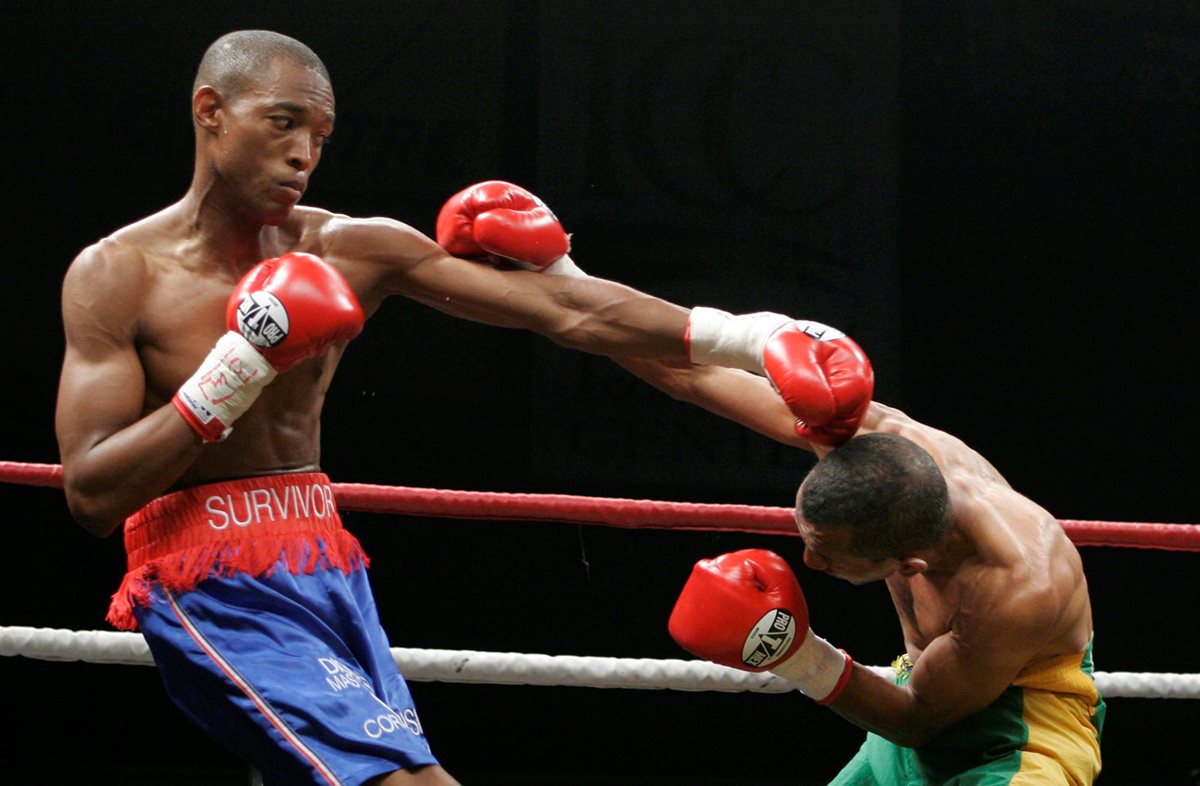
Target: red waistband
[231,511]
[251,525]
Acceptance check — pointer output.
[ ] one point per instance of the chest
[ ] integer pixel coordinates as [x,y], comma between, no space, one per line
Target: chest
[182,316]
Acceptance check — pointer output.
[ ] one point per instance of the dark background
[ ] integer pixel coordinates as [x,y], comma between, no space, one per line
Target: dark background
[996,199]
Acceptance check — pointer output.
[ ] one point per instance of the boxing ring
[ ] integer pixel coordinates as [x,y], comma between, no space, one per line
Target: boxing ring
[469,666]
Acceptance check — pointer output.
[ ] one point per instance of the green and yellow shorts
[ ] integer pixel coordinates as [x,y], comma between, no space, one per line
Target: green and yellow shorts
[1044,729]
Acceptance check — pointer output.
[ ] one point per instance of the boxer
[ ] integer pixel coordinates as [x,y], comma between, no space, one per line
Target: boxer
[200,342]
[995,682]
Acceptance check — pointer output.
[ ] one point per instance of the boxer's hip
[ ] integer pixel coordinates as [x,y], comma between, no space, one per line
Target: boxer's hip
[252,525]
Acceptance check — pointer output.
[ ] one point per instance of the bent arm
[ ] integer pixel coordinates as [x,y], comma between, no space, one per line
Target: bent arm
[114,459]
[960,672]
[585,313]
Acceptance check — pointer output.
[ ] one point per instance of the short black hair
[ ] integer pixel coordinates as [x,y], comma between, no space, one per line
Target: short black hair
[232,61]
[886,488]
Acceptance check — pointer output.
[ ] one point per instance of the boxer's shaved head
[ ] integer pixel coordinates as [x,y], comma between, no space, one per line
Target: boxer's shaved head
[233,61]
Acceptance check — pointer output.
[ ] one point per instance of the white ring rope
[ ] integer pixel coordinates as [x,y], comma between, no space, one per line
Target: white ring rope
[514,668]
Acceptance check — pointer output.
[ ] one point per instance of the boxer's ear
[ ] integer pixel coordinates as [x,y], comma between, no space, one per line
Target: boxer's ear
[205,103]
[911,566]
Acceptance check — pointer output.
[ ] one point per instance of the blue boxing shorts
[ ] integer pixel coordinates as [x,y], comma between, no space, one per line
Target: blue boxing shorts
[286,665]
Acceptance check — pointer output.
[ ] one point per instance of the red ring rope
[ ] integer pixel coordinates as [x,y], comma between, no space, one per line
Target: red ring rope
[634,514]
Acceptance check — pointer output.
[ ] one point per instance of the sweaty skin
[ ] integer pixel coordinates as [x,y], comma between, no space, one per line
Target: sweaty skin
[143,307]
[1004,590]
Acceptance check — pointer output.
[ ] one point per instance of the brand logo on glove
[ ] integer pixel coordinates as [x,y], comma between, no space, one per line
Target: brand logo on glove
[769,639]
[818,331]
[262,319]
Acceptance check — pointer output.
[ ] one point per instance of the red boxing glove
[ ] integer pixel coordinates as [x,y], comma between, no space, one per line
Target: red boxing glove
[741,610]
[291,308]
[283,312]
[505,220]
[824,377]
[746,610]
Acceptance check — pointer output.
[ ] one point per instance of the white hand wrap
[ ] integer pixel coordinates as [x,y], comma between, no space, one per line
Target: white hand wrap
[563,266]
[718,338]
[817,668]
[223,388]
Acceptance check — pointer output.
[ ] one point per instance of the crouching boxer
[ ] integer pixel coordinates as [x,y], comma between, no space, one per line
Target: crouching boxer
[995,683]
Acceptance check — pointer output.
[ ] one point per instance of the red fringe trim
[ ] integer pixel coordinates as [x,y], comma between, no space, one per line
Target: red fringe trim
[298,552]
[253,525]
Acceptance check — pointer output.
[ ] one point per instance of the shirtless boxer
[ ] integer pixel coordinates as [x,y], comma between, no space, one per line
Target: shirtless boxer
[995,684]
[200,343]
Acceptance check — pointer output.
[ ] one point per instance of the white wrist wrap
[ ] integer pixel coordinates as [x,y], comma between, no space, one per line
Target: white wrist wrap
[817,668]
[718,338]
[223,387]
[563,266]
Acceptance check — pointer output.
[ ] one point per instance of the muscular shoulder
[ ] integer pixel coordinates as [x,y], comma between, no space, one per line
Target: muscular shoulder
[375,254]
[884,419]
[957,460]
[104,284]
[104,260]
[374,240]
[120,264]
[1012,601]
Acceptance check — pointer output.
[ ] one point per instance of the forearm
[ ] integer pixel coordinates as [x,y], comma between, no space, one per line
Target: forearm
[116,476]
[607,318]
[584,313]
[876,704]
[735,395]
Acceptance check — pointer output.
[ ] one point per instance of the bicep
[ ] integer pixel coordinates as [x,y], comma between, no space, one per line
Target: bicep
[102,384]
[961,672]
[948,683]
[384,257]
[101,390]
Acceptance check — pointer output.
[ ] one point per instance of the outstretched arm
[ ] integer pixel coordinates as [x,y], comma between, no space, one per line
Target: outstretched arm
[823,377]
[585,313]
[745,398]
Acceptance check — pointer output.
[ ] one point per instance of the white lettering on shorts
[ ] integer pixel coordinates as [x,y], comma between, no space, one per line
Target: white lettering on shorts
[257,505]
[393,721]
[210,505]
[339,677]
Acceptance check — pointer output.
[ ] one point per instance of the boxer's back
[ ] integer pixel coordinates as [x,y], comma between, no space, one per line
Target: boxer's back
[1013,549]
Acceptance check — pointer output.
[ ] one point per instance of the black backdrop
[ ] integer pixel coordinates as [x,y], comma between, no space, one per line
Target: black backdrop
[997,199]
